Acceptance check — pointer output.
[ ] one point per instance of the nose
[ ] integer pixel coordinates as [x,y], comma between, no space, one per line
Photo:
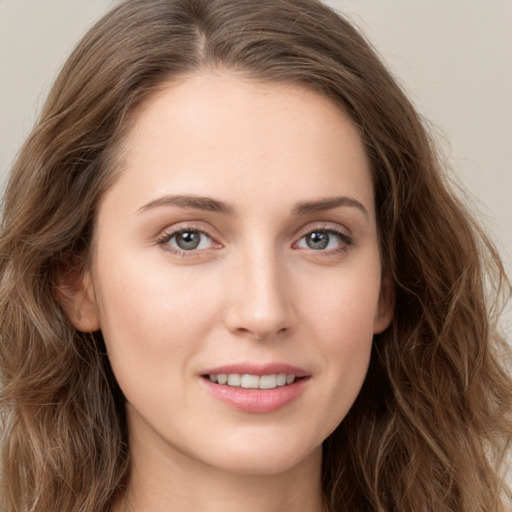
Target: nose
[259,305]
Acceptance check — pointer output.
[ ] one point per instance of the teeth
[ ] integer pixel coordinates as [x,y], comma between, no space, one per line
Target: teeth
[253,381]
[250,381]
[268,381]
[234,380]
[281,379]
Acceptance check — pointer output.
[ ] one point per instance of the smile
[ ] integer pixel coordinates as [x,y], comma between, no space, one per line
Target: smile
[247,381]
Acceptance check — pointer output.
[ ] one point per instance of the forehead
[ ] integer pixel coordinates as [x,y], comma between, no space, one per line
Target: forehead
[232,137]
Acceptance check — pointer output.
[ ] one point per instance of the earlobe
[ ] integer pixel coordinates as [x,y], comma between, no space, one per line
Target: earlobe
[75,292]
[385,307]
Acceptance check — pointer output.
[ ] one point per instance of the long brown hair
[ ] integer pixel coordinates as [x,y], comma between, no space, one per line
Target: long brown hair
[432,424]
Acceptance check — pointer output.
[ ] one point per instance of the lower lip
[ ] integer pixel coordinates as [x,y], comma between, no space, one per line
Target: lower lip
[257,400]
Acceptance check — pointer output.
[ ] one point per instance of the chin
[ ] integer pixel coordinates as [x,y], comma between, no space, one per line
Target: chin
[251,460]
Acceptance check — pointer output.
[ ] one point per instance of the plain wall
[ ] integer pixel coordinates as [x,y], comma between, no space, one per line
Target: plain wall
[453,57]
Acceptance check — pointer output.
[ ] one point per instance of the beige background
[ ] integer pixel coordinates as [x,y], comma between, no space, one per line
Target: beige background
[453,57]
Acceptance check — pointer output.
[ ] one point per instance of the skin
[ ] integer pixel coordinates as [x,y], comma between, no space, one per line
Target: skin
[253,291]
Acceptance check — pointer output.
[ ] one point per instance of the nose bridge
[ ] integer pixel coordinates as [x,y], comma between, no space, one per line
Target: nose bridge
[260,304]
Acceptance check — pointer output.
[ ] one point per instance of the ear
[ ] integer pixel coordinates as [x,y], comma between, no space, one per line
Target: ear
[75,292]
[385,306]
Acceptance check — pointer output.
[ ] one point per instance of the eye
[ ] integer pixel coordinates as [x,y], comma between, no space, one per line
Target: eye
[187,240]
[324,240]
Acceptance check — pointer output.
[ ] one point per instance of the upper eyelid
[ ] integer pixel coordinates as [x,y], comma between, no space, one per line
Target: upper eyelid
[344,238]
[184,226]
[168,234]
[324,226]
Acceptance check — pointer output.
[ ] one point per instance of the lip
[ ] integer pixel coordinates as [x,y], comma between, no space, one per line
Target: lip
[256,400]
[257,369]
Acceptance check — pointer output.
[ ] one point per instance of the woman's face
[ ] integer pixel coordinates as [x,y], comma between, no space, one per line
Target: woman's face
[239,243]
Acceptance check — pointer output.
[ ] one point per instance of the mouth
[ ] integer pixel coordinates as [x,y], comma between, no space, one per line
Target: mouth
[256,388]
[248,381]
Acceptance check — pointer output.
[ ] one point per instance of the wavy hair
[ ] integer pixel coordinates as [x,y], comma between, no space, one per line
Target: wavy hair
[432,424]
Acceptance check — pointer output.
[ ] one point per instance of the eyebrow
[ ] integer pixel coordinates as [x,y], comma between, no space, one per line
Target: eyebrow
[329,203]
[189,201]
[214,205]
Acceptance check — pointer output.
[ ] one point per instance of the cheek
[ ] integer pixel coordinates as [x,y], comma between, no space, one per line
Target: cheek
[340,319]
[343,305]
[154,298]
[153,317]
[346,338]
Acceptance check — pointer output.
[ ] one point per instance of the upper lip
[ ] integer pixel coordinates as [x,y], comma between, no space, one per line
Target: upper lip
[257,369]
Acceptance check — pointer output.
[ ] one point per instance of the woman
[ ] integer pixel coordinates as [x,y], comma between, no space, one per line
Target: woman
[233,275]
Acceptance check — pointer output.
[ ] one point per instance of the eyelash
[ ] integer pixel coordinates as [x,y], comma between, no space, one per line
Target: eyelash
[168,236]
[345,240]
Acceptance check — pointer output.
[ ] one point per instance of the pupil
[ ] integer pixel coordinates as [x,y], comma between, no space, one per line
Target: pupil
[318,240]
[188,240]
